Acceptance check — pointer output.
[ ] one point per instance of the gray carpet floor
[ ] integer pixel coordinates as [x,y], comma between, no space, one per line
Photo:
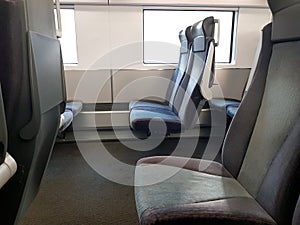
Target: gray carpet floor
[72,193]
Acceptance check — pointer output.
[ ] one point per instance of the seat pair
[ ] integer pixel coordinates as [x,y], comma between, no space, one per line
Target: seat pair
[183,94]
[31,77]
[258,181]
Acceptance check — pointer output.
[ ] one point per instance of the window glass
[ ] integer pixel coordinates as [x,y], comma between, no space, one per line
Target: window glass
[68,39]
[161,29]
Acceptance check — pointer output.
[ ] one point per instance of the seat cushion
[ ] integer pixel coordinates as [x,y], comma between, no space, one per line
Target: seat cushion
[75,107]
[231,110]
[219,103]
[65,120]
[140,120]
[188,191]
[147,103]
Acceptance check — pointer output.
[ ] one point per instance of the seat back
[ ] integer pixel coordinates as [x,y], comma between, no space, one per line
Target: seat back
[33,95]
[263,151]
[181,67]
[296,217]
[188,96]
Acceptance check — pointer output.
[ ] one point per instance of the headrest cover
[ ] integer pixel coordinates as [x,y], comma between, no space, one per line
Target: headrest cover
[184,42]
[201,31]
[286,14]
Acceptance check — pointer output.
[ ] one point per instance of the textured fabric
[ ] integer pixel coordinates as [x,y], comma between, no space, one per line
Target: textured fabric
[296,218]
[184,187]
[75,107]
[140,120]
[273,122]
[232,211]
[231,110]
[283,175]
[285,19]
[240,130]
[199,165]
[147,103]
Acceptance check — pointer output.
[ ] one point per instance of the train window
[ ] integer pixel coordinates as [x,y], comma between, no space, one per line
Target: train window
[161,28]
[68,39]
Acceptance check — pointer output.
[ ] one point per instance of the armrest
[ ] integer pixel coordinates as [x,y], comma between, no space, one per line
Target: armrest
[233,211]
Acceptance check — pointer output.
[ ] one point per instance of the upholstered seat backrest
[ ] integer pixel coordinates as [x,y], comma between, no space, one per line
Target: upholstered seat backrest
[181,67]
[33,95]
[189,95]
[263,152]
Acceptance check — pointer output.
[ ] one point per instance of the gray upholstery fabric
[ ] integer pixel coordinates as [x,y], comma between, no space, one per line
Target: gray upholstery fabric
[232,211]
[283,180]
[273,122]
[148,103]
[239,133]
[285,19]
[296,218]
[184,187]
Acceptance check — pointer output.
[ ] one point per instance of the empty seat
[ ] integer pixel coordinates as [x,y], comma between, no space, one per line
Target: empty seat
[33,95]
[176,79]
[187,99]
[258,181]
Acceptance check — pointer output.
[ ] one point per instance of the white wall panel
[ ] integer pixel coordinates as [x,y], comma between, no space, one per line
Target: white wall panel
[248,33]
[131,85]
[89,86]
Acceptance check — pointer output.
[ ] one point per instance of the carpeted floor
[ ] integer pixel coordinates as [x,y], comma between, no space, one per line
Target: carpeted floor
[72,193]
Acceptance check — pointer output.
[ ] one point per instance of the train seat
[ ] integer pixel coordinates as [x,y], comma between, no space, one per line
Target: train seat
[8,165]
[260,155]
[184,112]
[33,96]
[175,81]
[75,107]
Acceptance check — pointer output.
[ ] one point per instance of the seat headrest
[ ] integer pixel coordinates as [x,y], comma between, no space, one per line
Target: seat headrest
[188,34]
[204,28]
[201,31]
[184,42]
[286,14]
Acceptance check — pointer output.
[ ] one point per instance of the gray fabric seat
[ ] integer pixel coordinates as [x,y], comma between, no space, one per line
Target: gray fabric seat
[176,79]
[31,76]
[183,112]
[261,151]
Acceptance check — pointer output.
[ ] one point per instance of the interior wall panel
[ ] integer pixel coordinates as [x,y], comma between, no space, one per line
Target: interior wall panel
[91,86]
[131,85]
